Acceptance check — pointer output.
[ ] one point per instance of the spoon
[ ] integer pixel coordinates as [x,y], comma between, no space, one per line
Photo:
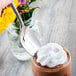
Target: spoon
[28,40]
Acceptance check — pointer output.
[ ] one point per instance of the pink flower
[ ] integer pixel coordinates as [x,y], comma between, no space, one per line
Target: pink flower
[23,1]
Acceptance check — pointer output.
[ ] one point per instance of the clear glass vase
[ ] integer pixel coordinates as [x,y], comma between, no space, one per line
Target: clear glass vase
[16,48]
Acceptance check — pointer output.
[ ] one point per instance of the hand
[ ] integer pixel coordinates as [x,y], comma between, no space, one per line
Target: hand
[4,3]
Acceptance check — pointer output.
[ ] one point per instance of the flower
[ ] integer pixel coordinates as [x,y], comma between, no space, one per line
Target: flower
[23,2]
[7,17]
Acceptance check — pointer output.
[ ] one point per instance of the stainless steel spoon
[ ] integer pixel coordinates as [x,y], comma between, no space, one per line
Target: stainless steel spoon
[28,40]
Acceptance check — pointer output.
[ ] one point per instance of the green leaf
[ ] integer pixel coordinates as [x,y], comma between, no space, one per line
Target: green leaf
[32,1]
[23,16]
[17,31]
[28,15]
[16,23]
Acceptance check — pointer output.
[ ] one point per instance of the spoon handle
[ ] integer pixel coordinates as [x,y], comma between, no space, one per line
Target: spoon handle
[17,15]
[22,28]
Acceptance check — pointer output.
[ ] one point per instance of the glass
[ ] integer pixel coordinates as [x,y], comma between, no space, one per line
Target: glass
[15,45]
[64,70]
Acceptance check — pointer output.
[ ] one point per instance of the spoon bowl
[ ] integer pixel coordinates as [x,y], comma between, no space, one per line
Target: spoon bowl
[27,37]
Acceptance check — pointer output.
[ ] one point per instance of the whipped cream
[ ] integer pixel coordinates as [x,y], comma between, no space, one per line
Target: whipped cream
[51,55]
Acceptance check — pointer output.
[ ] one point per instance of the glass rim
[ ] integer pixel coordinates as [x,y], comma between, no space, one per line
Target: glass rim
[52,69]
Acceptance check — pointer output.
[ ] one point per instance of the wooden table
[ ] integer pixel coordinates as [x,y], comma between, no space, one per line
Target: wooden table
[10,66]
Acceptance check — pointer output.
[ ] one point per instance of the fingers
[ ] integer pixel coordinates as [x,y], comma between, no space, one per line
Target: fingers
[4,3]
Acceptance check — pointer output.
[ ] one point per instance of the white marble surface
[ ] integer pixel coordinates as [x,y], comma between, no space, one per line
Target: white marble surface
[10,66]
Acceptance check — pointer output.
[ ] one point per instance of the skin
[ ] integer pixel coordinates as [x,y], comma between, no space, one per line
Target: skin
[4,3]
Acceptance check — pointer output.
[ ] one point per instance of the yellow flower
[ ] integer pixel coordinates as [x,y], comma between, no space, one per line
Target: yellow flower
[7,17]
